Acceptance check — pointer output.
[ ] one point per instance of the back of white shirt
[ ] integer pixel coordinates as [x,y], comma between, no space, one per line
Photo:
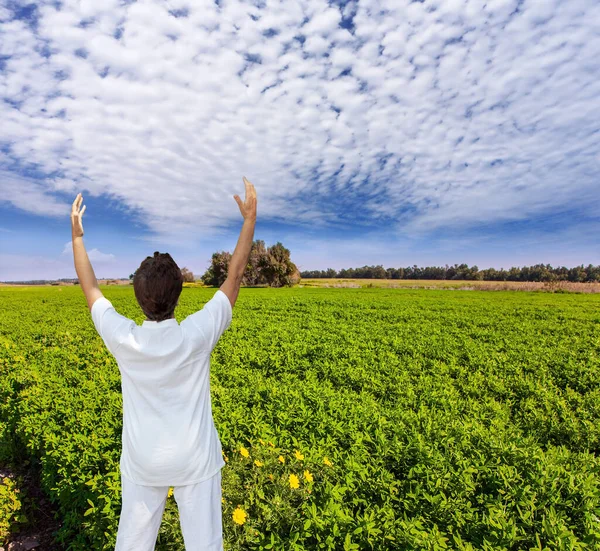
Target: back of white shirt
[169,437]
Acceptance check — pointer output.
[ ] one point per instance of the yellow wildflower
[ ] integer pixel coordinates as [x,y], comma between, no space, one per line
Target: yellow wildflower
[239,515]
[258,463]
[271,444]
[298,455]
[170,492]
[222,500]
[271,476]
[308,476]
[226,458]
[327,462]
[282,459]
[294,482]
[244,451]
[261,440]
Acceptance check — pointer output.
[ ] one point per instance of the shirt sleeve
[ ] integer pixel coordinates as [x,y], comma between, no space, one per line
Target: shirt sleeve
[111,326]
[213,319]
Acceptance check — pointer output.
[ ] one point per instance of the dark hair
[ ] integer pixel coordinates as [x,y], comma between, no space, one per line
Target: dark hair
[157,284]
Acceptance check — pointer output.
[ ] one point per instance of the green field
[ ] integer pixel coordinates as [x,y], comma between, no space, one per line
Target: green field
[425,419]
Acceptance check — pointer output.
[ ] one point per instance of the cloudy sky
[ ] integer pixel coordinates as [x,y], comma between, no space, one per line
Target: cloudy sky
[375,131]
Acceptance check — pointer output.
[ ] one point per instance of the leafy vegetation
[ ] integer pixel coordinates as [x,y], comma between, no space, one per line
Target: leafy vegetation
[350,418]
[10,506]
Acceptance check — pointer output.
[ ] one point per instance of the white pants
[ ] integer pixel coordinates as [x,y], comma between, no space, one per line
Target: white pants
[199,515]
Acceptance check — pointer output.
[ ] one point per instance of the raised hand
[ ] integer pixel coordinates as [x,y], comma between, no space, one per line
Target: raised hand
[76,214]
[248,207]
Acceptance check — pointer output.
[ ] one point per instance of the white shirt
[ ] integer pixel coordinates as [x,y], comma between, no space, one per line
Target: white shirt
[169,437]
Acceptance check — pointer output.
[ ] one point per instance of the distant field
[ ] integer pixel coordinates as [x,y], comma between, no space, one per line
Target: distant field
[462,285]
[560,286]
[355,419]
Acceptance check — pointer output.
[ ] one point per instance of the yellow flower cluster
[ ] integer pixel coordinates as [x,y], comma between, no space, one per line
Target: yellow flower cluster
[294,482]
[299,455]
[170,493]
[239,515]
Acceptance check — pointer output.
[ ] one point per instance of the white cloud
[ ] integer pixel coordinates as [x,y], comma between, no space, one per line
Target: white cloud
[30,196]
[93,254]
[324,21]
[482,113]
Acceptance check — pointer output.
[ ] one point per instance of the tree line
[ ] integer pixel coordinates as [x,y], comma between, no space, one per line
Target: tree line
[538,272]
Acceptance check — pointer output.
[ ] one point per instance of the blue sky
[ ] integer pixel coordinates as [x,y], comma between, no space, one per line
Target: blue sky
[375,131]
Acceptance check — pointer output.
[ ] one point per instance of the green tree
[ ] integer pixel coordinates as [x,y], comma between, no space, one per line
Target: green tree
[254,274]
[266,266]
[217,272]
[188,276]
[279,270]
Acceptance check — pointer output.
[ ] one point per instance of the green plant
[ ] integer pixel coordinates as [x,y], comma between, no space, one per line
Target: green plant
[425,419]
[11,514]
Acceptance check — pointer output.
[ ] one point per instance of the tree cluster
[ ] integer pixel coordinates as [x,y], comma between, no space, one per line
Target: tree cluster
[270,266]
[539,272]
[188,277]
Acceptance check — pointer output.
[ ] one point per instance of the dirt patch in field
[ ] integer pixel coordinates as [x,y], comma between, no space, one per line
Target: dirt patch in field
[38,533]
